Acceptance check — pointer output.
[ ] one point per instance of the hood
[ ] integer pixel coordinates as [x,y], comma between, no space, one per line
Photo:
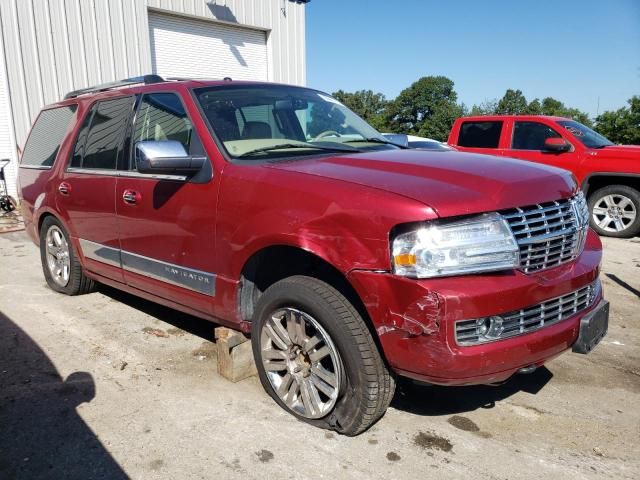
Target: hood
[617,151]
[451,183]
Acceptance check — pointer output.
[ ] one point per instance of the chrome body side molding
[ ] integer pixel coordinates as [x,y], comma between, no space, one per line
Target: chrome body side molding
[189,278]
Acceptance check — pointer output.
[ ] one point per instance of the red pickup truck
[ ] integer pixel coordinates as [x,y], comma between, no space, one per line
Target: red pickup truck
[608,174]
[277,211]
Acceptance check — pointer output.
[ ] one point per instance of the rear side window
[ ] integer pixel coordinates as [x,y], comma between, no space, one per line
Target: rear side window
[531,135]
[480,134]
[46,136]
[101,135]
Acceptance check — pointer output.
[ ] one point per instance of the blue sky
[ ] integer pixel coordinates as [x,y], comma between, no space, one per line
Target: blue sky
[575,51]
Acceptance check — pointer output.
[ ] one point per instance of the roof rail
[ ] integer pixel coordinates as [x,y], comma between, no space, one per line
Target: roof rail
[146,79]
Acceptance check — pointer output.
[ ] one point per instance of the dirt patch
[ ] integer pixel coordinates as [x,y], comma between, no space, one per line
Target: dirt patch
[156,464]
[463,423]
[176,332]
[373,441]
[430,440]
[206,351]
[264,456]
[393,456]
[156,332]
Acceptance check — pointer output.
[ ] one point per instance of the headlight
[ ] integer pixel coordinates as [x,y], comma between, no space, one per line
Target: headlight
[478,244]
[581,209]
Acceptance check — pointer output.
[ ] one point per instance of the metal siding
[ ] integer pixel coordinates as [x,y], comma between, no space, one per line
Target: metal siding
[55,46]
[7,143]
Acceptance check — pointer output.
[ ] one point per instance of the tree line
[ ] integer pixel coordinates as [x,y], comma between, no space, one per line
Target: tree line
[429,106]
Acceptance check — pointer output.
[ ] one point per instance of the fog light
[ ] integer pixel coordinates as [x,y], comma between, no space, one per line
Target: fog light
[489,328]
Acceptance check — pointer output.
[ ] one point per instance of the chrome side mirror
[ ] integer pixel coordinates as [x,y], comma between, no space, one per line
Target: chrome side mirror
[166,157]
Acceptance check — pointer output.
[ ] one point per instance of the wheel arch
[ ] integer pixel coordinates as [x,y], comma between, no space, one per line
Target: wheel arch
[270,264]
[595,181]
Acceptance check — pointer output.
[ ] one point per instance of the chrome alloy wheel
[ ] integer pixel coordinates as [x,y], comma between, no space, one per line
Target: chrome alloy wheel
[58,260]
[614,213]
[301,362]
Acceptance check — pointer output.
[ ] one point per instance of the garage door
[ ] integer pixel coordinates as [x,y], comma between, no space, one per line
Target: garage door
[182,47]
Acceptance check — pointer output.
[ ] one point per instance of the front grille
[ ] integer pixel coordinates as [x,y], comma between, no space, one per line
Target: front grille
[530,319]
[548,234]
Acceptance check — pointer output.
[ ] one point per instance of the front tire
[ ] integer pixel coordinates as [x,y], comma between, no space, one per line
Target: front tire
[615,211]
[316,357]
[60,264]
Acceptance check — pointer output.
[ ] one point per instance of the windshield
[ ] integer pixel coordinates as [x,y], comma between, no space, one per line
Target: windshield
[276,121]
[585,135]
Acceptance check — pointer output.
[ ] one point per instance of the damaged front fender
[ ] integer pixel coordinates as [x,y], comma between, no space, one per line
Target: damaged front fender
[396,303]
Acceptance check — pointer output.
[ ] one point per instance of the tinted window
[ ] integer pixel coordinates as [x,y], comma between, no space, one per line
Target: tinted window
[480,134]
[101,135]
[531,135]
[161,116]
[47,134]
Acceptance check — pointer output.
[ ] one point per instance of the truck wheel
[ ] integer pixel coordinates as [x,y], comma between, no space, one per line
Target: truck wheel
[615,211]
[60,265]
[316,357]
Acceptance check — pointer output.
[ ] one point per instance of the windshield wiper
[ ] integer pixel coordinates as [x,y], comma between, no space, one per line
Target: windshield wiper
[286,146]
[374,140]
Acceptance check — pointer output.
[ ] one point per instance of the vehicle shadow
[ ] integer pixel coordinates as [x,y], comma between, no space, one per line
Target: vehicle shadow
[193,325]
[433,400]
[41,434]
[411,397]
[624,284]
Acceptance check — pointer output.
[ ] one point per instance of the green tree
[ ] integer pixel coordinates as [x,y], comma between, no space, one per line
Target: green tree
[551,106]
[534,107]
[488,107]
[428,108]
[512,103]
[368,104]
[622,125]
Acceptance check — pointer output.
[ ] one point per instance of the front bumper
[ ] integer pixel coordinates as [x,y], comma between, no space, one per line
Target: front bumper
[415,319]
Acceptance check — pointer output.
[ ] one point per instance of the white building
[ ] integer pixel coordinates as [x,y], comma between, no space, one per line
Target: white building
[50,47]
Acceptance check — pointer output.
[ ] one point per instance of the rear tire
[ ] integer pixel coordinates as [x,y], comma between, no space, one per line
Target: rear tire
[60,264]
[306,334]
[614,211]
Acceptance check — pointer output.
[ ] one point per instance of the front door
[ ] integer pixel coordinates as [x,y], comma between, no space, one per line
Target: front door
[527,143]
[167,222]
[86,192]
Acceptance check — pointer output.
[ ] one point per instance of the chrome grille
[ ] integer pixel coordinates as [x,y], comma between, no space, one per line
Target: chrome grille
[530,319]
[548,234]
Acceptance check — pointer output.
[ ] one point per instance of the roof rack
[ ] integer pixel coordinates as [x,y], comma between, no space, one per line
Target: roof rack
[146,79]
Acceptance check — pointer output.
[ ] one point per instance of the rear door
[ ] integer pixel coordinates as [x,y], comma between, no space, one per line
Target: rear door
[86,190]
[167,222]
[527,143]
[481,136]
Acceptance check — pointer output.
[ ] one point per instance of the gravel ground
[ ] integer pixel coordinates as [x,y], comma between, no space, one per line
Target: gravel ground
[109,386]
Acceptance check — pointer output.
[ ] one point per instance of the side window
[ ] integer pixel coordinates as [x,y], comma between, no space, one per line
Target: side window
[480,134]
[46,135]
[161,116]
[101,135]
[531,135]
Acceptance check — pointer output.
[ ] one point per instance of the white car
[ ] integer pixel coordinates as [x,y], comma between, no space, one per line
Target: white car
[413,141]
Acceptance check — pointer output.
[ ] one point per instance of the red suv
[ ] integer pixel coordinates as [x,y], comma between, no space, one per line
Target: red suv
[608,174]
[277,211]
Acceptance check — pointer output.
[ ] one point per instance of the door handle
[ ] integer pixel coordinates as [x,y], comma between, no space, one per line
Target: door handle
[64,188]
[131,197]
